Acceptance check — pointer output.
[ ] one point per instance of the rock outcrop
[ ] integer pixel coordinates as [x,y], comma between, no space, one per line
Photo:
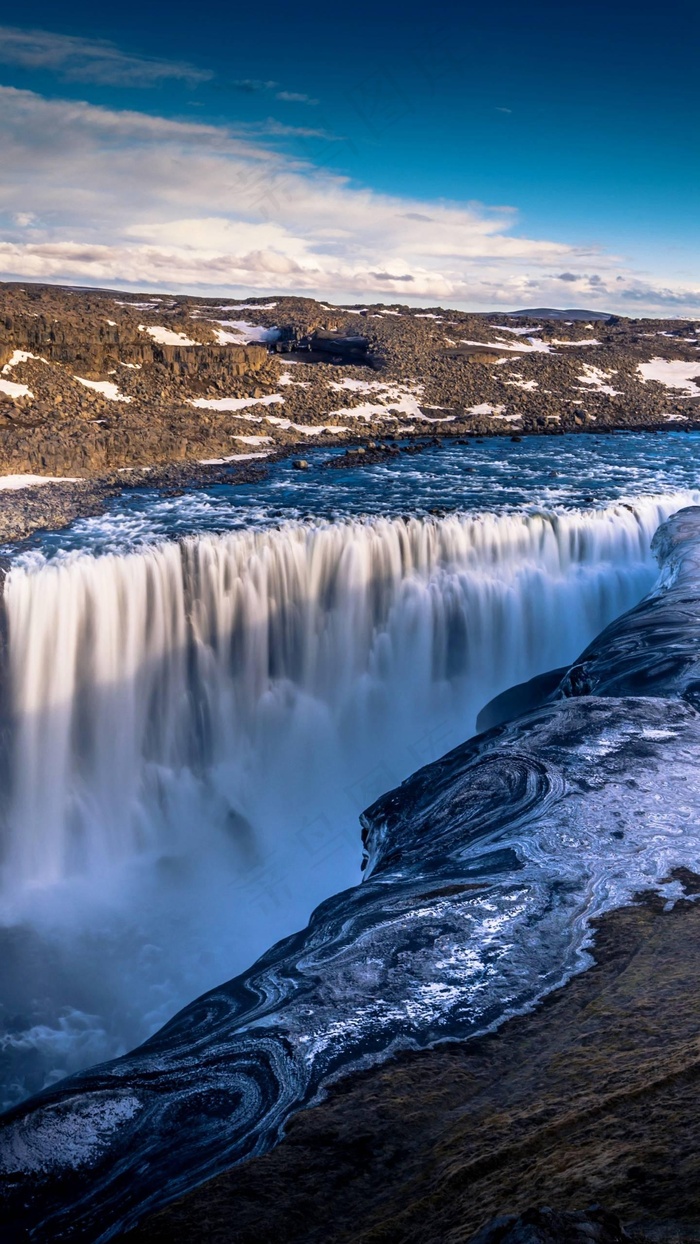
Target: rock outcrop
[484,873]
[547,1226]
[91,380]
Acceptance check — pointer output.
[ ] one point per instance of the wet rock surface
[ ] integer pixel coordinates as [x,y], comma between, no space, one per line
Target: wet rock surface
[547,1226]
[591,1099]
[485,873]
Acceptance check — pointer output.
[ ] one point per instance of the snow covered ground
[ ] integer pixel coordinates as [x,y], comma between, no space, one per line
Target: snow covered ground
[107,388]
[21,356]
[166,336]
[597,379]
[485,408]
[12,389]
[236,403]
[673,373]
[12,483]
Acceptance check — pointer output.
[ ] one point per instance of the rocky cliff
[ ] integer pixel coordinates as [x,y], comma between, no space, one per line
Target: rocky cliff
[92,381]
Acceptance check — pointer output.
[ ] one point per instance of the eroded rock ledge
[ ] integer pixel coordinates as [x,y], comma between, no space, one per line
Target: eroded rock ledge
[590,1099]
[486,872]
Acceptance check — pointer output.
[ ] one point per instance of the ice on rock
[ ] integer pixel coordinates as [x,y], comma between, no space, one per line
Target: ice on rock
[484,872]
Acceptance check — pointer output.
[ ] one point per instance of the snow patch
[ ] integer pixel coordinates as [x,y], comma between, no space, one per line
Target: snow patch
[107,388]
[673,373]
[285,378]
[11,483]
[362,386]
[232,458]
[167,336]
[15,390]
[518,383]
[138,306]
[307,429]
[485,408]
[236,403]
[595,377]
[244,333]
[392,400]
[533,345]
[21,356]
[247,306]
[592,341]
[517,332]
[345,310]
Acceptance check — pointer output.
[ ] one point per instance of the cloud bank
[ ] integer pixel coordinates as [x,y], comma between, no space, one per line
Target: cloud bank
[109,197]
[89,60]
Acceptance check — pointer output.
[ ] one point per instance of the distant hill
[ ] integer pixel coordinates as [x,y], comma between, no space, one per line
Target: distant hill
[552,313]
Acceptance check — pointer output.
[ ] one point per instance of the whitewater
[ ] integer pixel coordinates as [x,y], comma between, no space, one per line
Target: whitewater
[484,875]
[202,695]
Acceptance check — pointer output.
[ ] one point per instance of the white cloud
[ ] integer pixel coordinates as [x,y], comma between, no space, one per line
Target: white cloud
[296,97]
[277,129]
[89,60]
[125,198]
[252,85]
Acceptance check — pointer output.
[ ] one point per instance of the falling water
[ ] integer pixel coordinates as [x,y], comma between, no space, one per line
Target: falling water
[194,728]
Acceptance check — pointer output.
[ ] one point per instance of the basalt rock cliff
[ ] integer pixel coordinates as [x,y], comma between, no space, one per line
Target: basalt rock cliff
[92,381]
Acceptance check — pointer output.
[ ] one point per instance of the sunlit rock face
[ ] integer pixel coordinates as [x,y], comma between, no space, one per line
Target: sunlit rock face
[483,873]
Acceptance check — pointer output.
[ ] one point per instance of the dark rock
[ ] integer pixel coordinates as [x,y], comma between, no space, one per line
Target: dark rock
[99,335]
[548,1226]
[593,1089]
[338,346]
[521,698]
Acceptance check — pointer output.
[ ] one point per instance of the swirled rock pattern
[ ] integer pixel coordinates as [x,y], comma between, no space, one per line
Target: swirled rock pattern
[484,871]
[655,649]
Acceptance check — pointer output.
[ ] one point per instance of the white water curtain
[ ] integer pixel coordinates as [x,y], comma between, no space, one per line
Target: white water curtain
[195,728]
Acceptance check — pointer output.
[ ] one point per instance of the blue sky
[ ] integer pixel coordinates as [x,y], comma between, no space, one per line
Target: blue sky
[497,155]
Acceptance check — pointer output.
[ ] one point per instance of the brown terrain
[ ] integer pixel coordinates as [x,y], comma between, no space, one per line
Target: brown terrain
[95,381]
[102,389]
[590,1099]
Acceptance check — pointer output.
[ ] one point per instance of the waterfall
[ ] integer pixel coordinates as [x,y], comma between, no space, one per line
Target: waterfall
[194,728]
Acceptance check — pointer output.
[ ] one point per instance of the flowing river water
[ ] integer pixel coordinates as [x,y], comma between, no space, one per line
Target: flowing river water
[202,693]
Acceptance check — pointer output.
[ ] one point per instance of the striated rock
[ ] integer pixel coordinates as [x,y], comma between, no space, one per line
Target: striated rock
[484,873]
[589,1098]
[548,1226]
[522,698]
